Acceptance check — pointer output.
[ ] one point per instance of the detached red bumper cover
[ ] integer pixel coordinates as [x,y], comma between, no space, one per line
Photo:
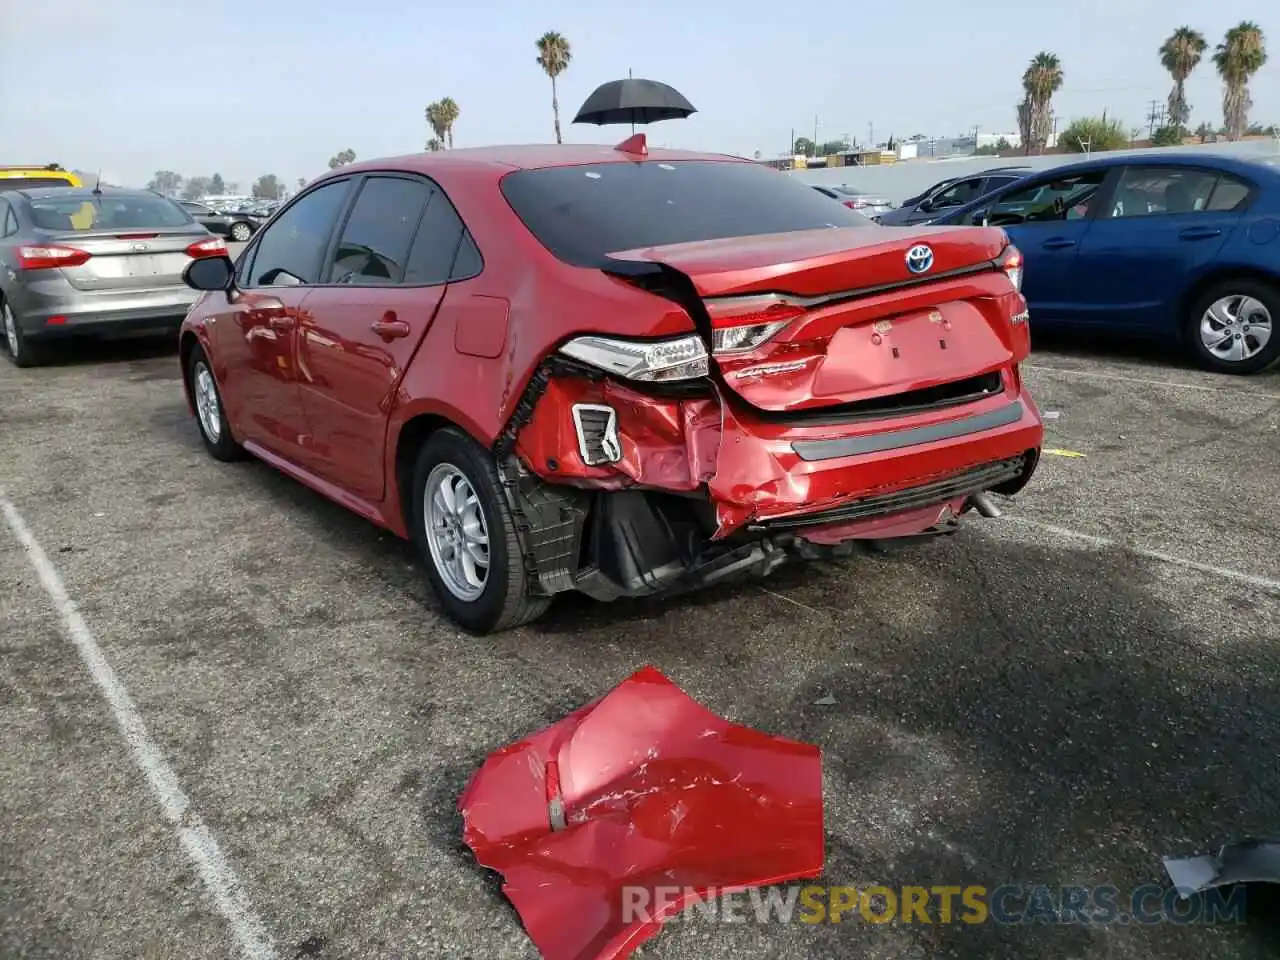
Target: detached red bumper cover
[597,821]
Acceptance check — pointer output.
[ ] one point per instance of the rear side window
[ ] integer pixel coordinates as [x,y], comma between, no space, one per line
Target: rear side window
[375,241]
[290,251]
[583,213]
[10,220]
[435,250]
[106,213]
[1228,194]
[27,183]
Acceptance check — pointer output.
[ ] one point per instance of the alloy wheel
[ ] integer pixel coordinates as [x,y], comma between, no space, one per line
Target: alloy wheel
[1236,328]
[456,532]
[10,330]
[207,406]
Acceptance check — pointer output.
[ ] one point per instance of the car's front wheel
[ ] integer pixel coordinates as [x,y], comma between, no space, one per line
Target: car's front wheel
[211,416]
[1232,327]
[240,232]
[464,530]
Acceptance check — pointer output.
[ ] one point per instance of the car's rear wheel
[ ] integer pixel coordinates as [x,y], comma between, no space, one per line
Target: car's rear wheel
[240,232]
[1232,328]
[21,350]
[464,530]
[211,416]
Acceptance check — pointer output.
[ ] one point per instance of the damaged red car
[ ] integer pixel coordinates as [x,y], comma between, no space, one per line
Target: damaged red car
[613,370]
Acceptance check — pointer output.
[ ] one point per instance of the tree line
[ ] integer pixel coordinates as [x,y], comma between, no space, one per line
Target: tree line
[171,184]
[1240,55]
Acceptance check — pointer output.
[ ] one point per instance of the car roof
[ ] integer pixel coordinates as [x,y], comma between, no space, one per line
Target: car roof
[505,159]
[86,193]
[1245,166]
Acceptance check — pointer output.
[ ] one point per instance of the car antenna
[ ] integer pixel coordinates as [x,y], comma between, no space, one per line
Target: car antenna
[97,186]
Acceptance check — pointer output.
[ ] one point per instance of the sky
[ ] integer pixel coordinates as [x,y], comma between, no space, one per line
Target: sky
[129,87]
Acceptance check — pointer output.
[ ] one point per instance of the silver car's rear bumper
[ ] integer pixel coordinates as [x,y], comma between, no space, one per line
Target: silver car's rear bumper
[65,311]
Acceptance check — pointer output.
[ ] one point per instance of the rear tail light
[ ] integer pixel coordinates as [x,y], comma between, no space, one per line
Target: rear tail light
[213,247]
[50,257]
[741,324]
[856,204]
[678,358]
[1010,261]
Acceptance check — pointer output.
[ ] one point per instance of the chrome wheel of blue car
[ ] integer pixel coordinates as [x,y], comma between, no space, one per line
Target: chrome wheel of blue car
[1236,328]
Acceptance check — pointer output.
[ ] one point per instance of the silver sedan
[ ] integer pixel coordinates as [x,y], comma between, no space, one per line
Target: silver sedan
[75,261]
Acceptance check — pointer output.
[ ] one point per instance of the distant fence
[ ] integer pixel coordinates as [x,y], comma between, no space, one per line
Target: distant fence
[906,178]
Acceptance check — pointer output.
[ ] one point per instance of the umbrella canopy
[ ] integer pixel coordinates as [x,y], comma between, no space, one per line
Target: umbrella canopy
[634,101]
[634,807]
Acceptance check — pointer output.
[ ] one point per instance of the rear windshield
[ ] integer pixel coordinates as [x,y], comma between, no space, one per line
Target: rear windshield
[583,213]
[106,213]
[26,183]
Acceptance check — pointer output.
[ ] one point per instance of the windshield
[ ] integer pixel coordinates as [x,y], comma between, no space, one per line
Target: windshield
[583,213]
[106,213]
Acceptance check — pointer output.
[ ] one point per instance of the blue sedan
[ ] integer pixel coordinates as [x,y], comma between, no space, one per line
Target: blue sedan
[1176,246]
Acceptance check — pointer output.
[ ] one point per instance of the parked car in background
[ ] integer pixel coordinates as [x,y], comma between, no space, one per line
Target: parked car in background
[119,269]
[1180,247]
[48,175]
[868,204]
[570,368]
[234,226]
[949,194]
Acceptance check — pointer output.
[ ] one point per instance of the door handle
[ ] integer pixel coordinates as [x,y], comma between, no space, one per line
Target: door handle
[1199,233]
[281,323]
[390,329]
[1058,243]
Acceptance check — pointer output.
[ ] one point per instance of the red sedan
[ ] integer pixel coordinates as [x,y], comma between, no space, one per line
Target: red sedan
[613,370]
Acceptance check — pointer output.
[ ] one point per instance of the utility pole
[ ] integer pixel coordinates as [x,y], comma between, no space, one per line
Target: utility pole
[1152,118]
[815,134]
[871,136]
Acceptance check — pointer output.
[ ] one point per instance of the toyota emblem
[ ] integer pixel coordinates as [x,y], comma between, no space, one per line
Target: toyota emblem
[919,258]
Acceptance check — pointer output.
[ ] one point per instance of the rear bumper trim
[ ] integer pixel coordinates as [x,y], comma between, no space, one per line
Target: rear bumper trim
[964,483]
[812,450]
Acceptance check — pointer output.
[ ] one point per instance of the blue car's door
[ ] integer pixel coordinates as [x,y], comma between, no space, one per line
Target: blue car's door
[1162,226]
[1048,218]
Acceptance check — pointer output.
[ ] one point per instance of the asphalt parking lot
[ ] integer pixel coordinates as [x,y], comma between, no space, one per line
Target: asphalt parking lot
[1060,696]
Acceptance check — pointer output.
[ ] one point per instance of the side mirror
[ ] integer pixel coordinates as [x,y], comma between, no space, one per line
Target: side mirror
[210,273]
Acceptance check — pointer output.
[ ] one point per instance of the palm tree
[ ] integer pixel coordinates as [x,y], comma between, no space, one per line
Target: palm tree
[1238,57]
[434,145]
[1040,81]
[435,120]
[553,56]
[1180,54]
[448,115]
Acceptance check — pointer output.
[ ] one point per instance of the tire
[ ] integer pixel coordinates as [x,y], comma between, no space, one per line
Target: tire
[21,351]
[216,434]
[502,600]
[241,232]
[1237,302]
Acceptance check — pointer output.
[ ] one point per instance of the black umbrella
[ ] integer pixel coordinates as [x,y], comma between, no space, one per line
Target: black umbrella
[634,101]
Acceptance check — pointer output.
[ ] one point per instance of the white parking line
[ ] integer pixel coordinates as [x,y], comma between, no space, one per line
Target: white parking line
[1092,375]
[1250,579]
[195,837]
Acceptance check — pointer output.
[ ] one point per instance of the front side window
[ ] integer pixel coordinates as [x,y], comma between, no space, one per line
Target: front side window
[290,251]
[1066,198]
[375,241]
[584,213]
[1153,191]
[957,195]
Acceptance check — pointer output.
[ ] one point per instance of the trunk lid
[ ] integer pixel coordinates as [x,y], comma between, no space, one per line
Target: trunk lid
[131,258]
[824,318]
